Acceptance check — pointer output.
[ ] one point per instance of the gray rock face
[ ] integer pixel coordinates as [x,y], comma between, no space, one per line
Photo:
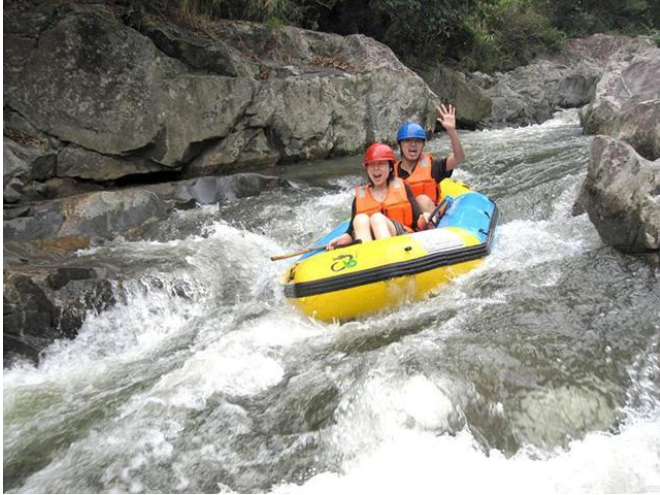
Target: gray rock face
[41,304]
[129,102]
[78,163]
[622,196]
[638,124]
[627,101]
[531,94]
[622,190]
[577,76]
[90,81]
[471,102]
[24,163]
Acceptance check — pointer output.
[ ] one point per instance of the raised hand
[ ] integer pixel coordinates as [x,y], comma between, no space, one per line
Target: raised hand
[447,116]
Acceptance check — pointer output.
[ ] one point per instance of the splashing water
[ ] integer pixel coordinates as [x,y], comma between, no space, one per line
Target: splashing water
[538,371]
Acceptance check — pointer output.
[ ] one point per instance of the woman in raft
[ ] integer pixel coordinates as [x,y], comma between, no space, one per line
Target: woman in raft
[386,206]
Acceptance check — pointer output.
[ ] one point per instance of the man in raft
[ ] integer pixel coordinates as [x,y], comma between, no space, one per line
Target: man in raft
[386,206]
[420,170]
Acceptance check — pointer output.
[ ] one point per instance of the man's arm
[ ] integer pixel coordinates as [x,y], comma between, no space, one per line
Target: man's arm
[447,118]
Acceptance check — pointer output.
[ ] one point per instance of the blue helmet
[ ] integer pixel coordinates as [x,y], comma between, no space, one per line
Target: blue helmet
[410,130]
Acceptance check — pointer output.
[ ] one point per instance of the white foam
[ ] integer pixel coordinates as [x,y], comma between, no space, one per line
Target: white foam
[413,461]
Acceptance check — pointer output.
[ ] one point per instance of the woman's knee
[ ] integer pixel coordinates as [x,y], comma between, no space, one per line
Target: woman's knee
[425,203]
[377,219]
[360,220]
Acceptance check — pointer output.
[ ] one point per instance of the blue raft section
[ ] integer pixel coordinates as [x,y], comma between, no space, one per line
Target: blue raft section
[471,212]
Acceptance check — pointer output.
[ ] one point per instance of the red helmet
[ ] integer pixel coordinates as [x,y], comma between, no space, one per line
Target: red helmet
[378,151]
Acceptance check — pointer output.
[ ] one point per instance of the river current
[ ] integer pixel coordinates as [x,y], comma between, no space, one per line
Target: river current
[539,371]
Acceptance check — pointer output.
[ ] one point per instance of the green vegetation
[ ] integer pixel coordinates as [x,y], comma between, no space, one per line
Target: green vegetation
[486,35]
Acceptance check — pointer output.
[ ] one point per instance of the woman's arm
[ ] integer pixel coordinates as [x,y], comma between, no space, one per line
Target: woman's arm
[421,218]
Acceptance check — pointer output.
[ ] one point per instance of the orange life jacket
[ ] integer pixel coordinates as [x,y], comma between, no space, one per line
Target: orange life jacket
[395,206]
[421,181]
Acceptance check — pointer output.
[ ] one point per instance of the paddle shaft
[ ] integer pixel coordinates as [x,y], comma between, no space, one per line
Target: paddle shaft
[296,253]
[309,250]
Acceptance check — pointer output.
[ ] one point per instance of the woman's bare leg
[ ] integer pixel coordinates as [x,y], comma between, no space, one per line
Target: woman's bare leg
[362,227]
[425,203]
[382,226]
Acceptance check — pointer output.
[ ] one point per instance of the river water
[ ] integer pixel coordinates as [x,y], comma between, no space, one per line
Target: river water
[537,372]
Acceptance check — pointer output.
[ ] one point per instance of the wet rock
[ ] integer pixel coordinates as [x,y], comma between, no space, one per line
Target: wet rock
[38,222]
[107,213]
[42,304]
[621,194]
[211,190]
[102,214]
[28,317]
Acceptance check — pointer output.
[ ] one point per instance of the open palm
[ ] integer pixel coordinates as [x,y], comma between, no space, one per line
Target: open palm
[447,116]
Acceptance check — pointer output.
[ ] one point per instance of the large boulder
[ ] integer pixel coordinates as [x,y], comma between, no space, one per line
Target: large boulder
[574,77]
[638,124]
[533,93]
[128,102]
[89,80]
[627,101]
[621,194]
[471,102]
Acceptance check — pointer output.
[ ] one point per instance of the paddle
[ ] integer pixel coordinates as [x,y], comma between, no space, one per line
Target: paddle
[296,253]
[309,250]
[439,211]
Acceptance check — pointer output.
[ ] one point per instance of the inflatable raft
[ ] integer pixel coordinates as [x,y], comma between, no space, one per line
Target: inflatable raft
[359,279]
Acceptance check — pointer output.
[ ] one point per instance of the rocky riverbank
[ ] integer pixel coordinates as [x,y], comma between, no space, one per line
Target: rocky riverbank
[112,121]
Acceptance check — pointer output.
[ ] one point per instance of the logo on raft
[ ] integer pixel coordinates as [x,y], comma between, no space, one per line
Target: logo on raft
[342,262]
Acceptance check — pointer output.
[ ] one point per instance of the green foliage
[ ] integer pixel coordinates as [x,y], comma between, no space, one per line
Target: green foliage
[505,34]
[655,36]
[486,35]
[583,17]
[421,29]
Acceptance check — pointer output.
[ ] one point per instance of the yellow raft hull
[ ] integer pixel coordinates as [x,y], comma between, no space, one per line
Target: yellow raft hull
[361,279]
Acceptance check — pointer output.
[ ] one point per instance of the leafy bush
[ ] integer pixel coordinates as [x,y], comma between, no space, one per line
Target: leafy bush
[505,34]
[583,17]
[486,35]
